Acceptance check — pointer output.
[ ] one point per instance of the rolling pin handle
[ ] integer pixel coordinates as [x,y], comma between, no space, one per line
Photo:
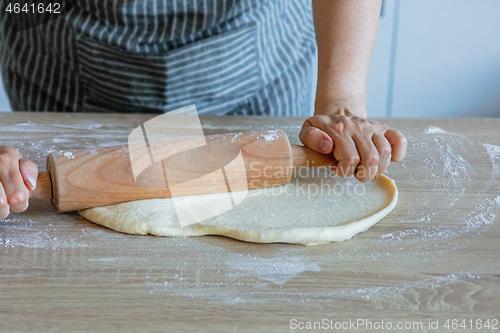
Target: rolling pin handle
[43,188]
[306,157]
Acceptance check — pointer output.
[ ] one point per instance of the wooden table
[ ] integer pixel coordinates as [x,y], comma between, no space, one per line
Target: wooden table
[435,257]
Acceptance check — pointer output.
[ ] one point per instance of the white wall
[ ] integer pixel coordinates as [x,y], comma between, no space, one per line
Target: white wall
[4,102]
[379,77]
[447,60]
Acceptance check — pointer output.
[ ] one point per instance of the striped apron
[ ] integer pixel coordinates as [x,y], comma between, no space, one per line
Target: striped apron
[245,57]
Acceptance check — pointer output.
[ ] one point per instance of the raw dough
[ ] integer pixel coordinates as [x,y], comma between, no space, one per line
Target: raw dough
[292,214]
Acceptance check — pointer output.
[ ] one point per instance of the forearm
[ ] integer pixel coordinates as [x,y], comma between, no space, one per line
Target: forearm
[345,32]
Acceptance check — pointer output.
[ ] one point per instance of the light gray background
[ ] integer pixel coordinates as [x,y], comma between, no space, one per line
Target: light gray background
[4,102]
[433,58]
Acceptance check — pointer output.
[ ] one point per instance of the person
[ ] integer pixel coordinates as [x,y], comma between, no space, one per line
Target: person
[238,57]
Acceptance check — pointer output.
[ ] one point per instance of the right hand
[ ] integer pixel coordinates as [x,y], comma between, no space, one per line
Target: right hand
[362,147]
[17,177]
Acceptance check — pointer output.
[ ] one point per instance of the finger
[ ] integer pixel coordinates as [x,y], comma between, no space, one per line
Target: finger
[384,152]
[398,144]
[347,155]
[16,192]
[368,165]
[4,205]
[316,139]
[344,149]
[29,173]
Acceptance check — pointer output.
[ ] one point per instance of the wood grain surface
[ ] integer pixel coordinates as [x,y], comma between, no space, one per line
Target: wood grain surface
[434,258]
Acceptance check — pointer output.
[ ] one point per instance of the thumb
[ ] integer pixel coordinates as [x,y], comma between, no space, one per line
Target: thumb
[316,139]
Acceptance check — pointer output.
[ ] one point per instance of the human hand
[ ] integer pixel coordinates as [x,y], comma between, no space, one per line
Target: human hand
[362,147]
[17,177]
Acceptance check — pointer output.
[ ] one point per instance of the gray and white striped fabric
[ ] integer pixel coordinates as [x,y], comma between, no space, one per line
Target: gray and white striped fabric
[226,56]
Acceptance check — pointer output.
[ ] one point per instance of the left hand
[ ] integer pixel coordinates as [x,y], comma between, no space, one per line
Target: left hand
[362,147]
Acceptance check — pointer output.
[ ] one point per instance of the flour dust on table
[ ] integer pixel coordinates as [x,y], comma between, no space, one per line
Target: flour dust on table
[317,208]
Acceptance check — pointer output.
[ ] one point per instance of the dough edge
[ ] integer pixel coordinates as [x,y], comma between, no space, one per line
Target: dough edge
[302,236]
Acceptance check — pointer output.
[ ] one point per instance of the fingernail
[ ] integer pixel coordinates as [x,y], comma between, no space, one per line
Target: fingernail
[324,146]
[31,180]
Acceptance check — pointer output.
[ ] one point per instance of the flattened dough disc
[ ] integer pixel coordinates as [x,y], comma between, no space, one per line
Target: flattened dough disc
[308,211]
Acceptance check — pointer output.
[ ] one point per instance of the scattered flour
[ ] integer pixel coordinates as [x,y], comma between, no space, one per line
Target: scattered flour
[494,155]
[86,125]
[38,240]
[112,143]
[57,140]
[434,130]
[271,135]
[278,269]
[30,127]
[102,259]
[228,271]
[468,206]
[409,296]
[69,154]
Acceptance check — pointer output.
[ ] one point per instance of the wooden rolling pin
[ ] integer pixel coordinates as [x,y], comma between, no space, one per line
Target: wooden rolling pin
[89,178]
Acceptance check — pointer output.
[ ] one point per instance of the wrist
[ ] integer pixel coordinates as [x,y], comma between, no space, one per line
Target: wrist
[338,86]
[345,105]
